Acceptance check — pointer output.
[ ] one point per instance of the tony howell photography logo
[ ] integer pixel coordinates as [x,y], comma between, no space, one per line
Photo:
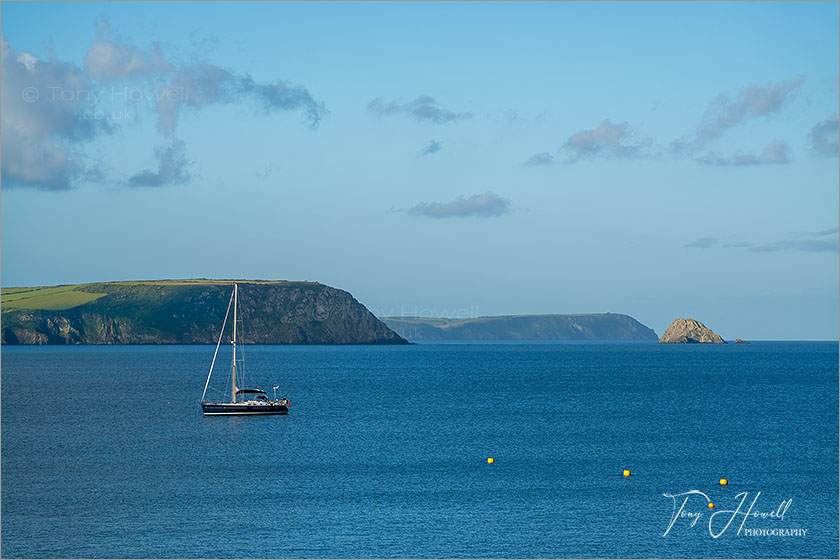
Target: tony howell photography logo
[58,94]
[752,519]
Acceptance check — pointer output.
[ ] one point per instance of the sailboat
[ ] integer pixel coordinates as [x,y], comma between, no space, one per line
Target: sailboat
[242,401]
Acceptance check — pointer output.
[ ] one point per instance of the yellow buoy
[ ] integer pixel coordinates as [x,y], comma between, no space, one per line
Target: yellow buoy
[490,460]
[711,506]
[626,472]
[723,482]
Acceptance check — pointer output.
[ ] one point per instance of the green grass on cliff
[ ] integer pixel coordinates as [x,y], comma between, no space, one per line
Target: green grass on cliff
[56,298]
[17,294]
[54,302]
[60,298]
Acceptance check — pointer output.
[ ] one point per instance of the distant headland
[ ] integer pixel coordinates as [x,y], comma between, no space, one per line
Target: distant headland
[187,312]
[594,326]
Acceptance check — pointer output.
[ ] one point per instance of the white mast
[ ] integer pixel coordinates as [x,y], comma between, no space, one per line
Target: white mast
[235,303]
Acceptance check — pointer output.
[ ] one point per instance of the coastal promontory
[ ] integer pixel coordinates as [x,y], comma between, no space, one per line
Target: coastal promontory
[592,326]
[188,312]
[689,331]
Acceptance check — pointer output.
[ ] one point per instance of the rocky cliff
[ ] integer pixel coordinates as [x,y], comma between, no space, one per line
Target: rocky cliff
[188,312]
[689,331]
[596,326]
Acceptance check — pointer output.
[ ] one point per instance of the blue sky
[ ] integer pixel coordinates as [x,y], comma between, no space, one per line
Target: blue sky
[657,159]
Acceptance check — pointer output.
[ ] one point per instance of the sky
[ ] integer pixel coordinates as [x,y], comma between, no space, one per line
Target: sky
[657,159]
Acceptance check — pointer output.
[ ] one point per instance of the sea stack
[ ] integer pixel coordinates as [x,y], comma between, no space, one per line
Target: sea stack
[689,331]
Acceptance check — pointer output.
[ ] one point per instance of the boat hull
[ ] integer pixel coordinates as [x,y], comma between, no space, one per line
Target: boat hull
[243,409]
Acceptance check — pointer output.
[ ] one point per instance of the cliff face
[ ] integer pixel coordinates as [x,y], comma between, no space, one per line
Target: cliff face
[190,312]
[600,326]
[689,331]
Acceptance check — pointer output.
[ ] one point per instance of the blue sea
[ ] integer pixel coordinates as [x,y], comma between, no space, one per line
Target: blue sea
[384,452]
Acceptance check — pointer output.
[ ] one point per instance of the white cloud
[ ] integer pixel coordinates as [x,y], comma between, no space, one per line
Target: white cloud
[45,105]
[202,84]
[172,168]
[824,137]
[608,140]
[543,158]
[424,108]
[725,112]
[52,108]
[108,61]
[775,153]
[432,147]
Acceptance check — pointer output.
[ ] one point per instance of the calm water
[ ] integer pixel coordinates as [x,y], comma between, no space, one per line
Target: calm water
[104,453]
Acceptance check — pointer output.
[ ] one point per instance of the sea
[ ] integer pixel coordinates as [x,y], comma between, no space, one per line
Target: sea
[385,452]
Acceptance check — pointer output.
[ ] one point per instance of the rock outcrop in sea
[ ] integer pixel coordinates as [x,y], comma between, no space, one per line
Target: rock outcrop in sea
[689,331]
[739,341]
